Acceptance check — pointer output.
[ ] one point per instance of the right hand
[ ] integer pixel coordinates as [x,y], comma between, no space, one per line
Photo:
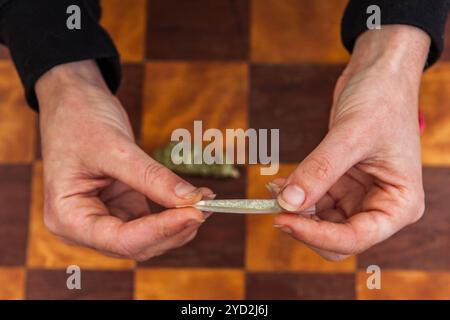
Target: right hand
[365,177]
[97,179]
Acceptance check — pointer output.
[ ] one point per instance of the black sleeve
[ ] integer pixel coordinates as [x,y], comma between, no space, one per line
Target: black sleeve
[428,15]
[37,36]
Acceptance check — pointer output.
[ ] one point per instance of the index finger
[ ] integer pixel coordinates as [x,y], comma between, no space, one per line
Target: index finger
[358,233]
[133,238]
[147,176]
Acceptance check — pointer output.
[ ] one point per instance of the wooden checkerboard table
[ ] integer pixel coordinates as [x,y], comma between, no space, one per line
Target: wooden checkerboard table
[232,64]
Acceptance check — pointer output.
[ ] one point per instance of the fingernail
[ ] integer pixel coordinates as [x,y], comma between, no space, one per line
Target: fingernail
[273,187]
[194,222]
[283,228]
[185,190]
[291,198]
[209,196]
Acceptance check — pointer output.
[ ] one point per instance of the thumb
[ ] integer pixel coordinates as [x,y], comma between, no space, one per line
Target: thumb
[315,175]
[147,176]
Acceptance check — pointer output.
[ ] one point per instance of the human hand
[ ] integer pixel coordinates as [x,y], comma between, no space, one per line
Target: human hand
[97,179]
[365,177]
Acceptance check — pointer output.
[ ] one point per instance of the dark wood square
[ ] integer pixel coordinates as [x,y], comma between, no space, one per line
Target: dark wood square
[295,99]
[95,284]
[301,286]
[15,197]
[198,29]
[130,94]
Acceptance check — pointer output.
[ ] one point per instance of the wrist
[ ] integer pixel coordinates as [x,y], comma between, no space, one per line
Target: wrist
[394,49]
[67,79]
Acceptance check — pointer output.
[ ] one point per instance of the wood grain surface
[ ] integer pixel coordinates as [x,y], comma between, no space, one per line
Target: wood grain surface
[232,64]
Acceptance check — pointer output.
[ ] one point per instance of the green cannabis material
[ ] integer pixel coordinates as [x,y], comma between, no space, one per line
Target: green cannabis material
[164,156]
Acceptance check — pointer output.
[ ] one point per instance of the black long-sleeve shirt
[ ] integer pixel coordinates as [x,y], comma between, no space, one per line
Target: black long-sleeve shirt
[428,15]
[38,39]
[36,33]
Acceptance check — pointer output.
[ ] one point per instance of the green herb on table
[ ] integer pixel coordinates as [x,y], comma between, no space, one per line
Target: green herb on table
[163,156]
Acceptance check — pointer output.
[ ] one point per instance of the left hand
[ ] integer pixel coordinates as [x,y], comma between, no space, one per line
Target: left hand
[97,179]
[365,177]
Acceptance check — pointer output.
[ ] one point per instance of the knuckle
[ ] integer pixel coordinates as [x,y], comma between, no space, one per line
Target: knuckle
[125,250]
[161,231]
[140,253]
[153,173]
[319,167]
[356,246]
[164,232]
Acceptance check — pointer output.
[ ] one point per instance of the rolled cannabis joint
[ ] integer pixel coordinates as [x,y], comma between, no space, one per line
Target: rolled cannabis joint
[164,156]
[245,206]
